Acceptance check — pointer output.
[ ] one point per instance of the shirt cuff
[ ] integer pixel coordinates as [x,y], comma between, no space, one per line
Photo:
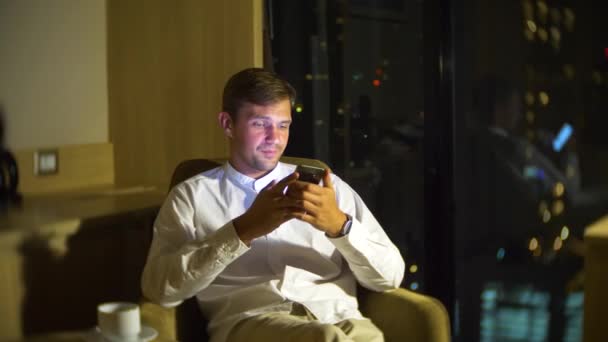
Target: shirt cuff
[352,243]
[229,245]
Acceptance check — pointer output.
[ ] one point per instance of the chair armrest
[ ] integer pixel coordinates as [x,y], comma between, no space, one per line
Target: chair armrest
[401,314]
[404,315]
[160,318]
[181,323]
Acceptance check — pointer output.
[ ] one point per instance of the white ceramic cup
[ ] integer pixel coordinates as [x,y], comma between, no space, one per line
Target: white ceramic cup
[119,321]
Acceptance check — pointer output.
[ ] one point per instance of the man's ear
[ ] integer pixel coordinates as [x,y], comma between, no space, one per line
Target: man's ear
[226,123]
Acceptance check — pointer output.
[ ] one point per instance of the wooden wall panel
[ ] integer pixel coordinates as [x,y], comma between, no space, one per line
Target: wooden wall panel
[79,166]
[11,289]
[167,64]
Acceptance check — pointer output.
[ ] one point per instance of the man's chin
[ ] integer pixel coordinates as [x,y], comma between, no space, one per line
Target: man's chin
[270,165]
[267,164]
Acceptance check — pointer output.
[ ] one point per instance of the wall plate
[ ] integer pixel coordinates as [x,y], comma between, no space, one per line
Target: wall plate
[46,162]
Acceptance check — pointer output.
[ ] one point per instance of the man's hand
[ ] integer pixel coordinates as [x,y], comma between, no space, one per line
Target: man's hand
[269,210]
[318,203]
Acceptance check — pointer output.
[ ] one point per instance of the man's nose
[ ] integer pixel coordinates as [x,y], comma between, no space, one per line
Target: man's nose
[272,134]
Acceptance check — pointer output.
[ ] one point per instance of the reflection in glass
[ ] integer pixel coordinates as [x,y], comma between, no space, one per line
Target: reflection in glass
[535,162]
[364,112]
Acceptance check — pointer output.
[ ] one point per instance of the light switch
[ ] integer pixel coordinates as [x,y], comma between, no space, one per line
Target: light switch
[46,162]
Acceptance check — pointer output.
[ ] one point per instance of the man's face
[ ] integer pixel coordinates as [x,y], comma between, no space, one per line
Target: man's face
[258,136]
[509,114]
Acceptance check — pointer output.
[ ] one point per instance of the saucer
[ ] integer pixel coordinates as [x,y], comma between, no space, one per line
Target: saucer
[146,334]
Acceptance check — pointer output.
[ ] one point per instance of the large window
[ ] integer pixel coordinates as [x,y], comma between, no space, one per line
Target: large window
[530,152]
[357,66]
[474,131]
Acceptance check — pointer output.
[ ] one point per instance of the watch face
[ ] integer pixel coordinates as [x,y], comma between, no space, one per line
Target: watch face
[346,227]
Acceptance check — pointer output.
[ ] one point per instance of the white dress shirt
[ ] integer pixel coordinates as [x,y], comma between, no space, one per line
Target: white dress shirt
[196,252]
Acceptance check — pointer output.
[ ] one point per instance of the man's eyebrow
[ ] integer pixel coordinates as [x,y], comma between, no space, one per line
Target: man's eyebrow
[259,116]
[266,117]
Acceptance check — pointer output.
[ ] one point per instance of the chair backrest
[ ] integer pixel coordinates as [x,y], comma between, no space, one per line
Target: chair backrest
[191,325]
[192,167]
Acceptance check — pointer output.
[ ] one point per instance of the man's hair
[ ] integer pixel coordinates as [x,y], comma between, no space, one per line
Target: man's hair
[255,85]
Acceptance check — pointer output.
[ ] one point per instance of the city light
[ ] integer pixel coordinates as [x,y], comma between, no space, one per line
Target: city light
[533,244]
[299,108]
[556,15]
[542,34]
[414,286]
[529,152]
[546,216]
[558,207]
[569,19]
[529,98]
[543,97]
[543,10]
[530,134]
[542,207]
[530,116]
[500,254]
[528,10]
[557,244]
[564,233]
[376,83]
[597,77]
[538,252]
[555,33]
[558,189]
[531,25]
[414,268]
[570,171]
[529,35]
[568,70]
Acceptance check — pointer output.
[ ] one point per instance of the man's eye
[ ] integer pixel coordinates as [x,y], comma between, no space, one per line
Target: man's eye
[258,124]
[284,126]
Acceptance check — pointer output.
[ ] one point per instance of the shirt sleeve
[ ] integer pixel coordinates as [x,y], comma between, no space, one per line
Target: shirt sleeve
[372,257]
[180,263]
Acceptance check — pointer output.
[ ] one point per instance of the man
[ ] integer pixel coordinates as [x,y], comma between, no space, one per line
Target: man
[513,175]
[267,256]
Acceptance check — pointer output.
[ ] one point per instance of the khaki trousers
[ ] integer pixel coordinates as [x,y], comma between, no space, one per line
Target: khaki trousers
[300,325]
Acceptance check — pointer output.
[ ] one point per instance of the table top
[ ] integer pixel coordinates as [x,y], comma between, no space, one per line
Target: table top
[63,213]
[75,336]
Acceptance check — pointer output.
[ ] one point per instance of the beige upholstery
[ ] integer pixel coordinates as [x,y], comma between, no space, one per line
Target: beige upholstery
[596,281]
[401,314]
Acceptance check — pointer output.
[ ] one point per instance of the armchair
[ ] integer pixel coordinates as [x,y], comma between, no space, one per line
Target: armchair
[401,314]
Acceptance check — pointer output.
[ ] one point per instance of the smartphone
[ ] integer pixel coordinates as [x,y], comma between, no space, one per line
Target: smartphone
[310,174]
[562,137]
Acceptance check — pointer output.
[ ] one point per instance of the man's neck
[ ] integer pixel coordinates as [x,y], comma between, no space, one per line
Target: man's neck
[250,172]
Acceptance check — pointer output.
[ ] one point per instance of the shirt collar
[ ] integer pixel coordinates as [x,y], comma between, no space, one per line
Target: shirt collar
[252,183]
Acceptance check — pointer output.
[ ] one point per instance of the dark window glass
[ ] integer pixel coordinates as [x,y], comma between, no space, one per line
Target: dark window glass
[515,146]
[530,87]
[357,66]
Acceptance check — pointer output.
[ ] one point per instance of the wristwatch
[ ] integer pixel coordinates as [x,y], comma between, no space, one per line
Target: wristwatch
[346,226]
